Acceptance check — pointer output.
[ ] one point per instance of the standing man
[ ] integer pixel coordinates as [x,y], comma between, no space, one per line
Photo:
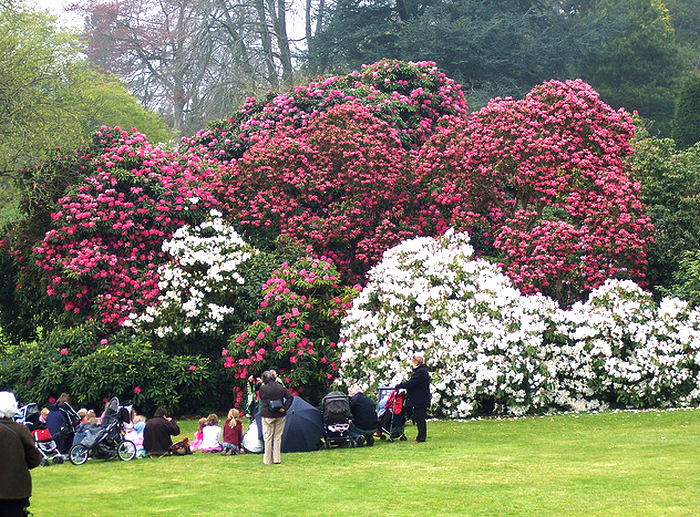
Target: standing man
[158,431]
[418,395]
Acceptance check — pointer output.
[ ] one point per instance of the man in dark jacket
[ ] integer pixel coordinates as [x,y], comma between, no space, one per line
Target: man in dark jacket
[158,431]
[364,417]
[18,454]
[418,395]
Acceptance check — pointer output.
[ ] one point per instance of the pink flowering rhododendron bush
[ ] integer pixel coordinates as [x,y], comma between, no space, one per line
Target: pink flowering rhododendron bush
[410,97]
[101,255]
[494,350]
[542,182]
[338,184]
[297,329]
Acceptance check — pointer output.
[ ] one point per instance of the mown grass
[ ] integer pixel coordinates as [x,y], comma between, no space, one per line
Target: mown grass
[609,464]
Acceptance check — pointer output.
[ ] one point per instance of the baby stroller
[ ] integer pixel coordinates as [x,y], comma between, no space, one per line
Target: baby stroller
[105,440]
[335,412]
[391,413]
[29,416]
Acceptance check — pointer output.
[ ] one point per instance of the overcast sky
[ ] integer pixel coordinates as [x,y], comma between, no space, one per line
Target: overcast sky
[56,7]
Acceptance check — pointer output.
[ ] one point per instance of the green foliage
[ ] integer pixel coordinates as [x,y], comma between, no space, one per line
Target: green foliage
[686,122]
[640,69]
[686,279]
[670,188]
[494,48]
[51,97]
[93,369]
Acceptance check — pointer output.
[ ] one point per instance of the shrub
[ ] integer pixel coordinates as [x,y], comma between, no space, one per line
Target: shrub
[492,349]
[101,256]
[542,185]
[297,332]
[198,287]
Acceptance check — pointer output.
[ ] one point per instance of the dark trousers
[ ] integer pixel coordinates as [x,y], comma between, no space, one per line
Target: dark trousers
[13,507]
[419,419]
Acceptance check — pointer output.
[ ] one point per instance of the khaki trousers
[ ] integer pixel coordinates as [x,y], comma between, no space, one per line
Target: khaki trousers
[272,435]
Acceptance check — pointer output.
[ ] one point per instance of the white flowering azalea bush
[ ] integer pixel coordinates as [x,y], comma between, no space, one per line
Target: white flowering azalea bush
[622,349]
[493,350]
[199,285]
[482,340]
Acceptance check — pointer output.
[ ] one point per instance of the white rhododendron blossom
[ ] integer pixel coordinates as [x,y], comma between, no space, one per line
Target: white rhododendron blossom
[493,350]
[195,286]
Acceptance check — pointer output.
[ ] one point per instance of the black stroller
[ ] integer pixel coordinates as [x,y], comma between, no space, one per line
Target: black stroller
[335,411]
[105,440]
[391,413]
[29,416]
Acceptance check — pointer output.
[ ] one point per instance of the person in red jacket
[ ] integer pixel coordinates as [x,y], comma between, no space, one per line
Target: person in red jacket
[233,434]
[18,454]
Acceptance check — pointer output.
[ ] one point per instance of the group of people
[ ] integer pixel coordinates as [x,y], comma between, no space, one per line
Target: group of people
[18,453]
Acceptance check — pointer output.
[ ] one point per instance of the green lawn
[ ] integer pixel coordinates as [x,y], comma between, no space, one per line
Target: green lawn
[611,464]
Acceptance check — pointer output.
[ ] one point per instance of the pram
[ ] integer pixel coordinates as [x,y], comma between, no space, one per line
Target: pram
[391,413]
[105,440]
[335,413]
[29,416]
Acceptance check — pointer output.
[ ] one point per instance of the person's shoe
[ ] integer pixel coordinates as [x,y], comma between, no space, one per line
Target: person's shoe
[416,441]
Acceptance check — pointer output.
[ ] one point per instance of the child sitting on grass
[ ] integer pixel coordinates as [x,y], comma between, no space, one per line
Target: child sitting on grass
[197,442]
[211,435]
[233,434]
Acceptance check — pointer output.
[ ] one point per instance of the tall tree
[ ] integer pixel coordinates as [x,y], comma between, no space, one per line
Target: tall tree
[192,60]
[50,97]
[494,48]
[641,68]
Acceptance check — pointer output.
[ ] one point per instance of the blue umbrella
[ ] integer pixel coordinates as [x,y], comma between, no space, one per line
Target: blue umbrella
[303,428]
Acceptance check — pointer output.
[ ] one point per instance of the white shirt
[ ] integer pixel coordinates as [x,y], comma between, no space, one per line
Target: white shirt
[211,437]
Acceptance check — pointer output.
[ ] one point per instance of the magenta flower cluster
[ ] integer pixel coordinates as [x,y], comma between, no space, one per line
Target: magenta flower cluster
[102,254]
[544,180]
[302,306]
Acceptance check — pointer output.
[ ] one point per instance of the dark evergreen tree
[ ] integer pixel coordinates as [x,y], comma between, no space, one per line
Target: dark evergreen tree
[640,69]
[686,122]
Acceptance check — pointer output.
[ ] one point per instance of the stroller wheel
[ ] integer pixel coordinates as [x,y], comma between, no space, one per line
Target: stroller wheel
[326,445]
[44,462]
[403,438]
[126,450]
[78,454]
[58,459]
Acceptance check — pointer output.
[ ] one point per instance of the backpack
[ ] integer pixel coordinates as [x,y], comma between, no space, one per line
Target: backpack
[336,408]
[181,448]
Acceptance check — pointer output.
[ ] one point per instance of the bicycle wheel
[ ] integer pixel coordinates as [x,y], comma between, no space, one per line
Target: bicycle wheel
[78,454]
[126,451]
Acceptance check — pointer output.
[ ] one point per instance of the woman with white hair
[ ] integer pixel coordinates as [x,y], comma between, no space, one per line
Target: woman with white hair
[18,454]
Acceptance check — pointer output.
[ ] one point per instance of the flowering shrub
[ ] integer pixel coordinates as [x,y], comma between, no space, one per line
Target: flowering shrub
[492,349]
[297,332]
[197,289]
[101,255]
[625,350]
[337,184]
[482,340]
[411,97]
[542,182]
